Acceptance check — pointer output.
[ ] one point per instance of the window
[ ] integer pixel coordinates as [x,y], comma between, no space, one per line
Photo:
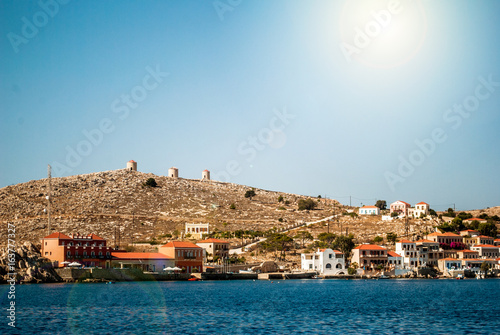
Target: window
[92,254]
[330,256]
[339,266]
[69,253]
[328,266]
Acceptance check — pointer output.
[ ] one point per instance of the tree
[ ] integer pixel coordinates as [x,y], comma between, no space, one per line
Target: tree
[303,236]
[151,182]
[464,216]
[432,212]
[485,267]
[394,214]
[280,198]
[382,204]
[308,204]
[488,228]
[250,194]
[319,196]
[344,244]
[457,224]
[378,239]
[391,237]
[175,233]
[277,242]
[328,238]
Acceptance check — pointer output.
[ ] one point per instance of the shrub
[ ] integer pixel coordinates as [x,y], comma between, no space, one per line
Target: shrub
[280,198]
[250,194]
[351,271]
[308,204]
[233,206]
[151,182]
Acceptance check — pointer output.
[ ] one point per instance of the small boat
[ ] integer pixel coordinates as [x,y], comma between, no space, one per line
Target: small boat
[460,277]
[110,282]
[383,277]
[193,279]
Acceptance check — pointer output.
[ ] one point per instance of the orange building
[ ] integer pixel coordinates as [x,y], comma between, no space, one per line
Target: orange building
[187,255]
[88,250]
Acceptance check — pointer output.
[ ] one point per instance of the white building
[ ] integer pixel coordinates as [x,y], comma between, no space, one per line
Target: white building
[421,208]
[205,175]
[369,210]
[408,250]
[197,230]
[394,259]
[324,261]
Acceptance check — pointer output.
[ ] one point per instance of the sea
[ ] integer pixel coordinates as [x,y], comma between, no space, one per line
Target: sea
[314,306]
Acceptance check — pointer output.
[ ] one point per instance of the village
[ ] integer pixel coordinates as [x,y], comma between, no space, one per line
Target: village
[428,245]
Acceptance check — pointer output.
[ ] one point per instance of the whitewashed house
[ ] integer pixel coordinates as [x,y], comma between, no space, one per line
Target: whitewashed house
[421,208]
[324,261]
[408,250]
[369,210]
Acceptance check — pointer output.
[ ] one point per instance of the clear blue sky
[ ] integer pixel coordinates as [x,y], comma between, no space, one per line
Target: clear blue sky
[373,99]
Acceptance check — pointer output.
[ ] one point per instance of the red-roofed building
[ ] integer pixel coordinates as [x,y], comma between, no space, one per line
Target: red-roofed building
[217,249]
[422,208]
[394,259]
[187,255]
[475,220]
[369,210]
[400,207]
[496,242]
[467,254]
[146,261]
[478,239]
[446,238]
[88,250]
[369,256]
[408,251]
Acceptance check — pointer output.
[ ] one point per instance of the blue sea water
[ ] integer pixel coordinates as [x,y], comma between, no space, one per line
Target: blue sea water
[258,307]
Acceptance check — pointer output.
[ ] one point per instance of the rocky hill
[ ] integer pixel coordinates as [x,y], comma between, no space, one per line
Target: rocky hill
[110,201]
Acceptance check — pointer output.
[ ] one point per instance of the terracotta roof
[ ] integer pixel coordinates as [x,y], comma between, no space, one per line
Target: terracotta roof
[466,250]
[475,219]
[482,236]
[205,170]
[338,252]
[212,240]
[423,203]
[131,161]
[449,259]
[370,247]
[58,235]
[444,234]
[486,246]
[369,207]
[425,241]
[393,254]
[404,202]
[139,255]
[470,230]
[178,244]
[405,241]
[497,240]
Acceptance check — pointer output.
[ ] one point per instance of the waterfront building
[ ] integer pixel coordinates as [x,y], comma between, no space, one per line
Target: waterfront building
[428,252]
[215,247]
[87,250]
[400,207]
[394,259]
[369,210]
[325,261]
[467,254]
[197,230]
[187,255]
[408,251]
[447,264]
[146,261]
[486,250]
[369,256]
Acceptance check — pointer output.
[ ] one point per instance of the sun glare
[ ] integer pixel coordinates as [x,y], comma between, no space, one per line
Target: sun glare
[382,33]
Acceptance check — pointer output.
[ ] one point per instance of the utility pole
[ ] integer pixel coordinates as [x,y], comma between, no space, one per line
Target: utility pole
[49,177]
[349,201]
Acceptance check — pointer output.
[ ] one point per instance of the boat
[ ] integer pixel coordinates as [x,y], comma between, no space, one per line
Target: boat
[383,277]
[460,276]
[193,279]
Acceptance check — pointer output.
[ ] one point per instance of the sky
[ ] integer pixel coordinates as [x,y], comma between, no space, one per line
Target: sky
[355,100]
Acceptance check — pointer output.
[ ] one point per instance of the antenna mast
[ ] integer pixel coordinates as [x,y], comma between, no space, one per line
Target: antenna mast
[49,177]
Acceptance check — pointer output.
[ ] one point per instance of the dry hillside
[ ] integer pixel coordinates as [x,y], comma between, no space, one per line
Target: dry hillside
[99,202]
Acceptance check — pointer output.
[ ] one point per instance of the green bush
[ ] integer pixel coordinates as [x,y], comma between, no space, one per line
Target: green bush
[151,182]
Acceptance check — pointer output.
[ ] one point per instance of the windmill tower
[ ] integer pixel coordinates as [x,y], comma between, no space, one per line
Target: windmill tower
[205,175]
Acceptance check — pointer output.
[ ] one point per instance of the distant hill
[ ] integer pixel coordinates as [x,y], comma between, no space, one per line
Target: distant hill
[100,202]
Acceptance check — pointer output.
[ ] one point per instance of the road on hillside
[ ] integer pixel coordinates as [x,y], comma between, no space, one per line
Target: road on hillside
[239,251]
